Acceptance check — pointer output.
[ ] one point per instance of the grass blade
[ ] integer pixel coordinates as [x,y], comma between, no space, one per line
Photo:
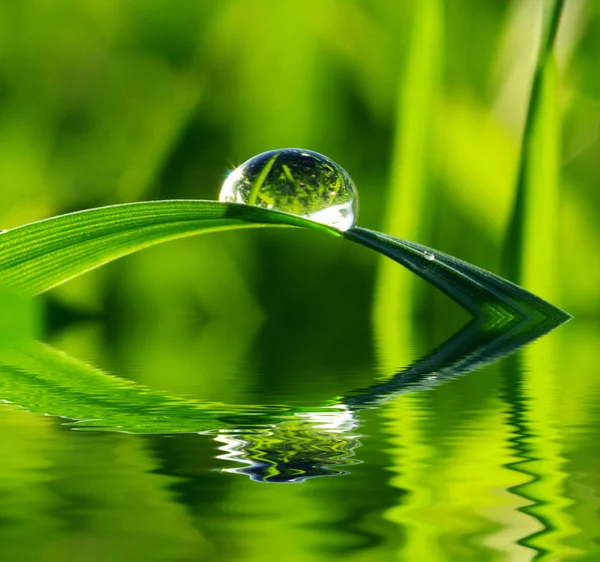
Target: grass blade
[407,200]
[484,294]
[529,250]
[38,256]
[407,196]
[41,255]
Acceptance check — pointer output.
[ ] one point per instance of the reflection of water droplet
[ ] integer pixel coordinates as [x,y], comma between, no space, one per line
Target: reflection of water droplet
[306,445]
[300,182]
[429,256]
[3,231]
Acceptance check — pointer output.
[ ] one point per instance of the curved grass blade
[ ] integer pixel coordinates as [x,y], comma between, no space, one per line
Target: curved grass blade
[529,253]
[38,256]
[484,294]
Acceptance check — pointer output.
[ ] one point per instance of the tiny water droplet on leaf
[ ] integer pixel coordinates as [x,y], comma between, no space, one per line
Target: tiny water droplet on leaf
[296,181]
[429,256]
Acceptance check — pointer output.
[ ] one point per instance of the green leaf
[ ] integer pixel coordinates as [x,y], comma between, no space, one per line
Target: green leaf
[408,201]
[38,256]
[409,191]
[530,249]
[485,295]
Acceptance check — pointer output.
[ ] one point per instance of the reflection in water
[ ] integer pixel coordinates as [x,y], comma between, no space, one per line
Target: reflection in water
[311,444]
[272,443]
[532,393]
[496,466]
[471,348]
[293,451]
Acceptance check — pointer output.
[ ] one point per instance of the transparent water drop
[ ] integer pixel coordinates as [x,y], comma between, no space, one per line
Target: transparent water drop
[3,231]
[429,256]
[296,181]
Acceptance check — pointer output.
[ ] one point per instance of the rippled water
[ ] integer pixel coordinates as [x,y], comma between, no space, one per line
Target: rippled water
[497,463]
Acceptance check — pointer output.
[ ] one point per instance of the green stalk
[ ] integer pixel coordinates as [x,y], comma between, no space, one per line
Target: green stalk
[530,248]
[407,199]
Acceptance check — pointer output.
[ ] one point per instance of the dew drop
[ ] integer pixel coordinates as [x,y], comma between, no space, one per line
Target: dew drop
[429,256]
[3,231]
[296,181]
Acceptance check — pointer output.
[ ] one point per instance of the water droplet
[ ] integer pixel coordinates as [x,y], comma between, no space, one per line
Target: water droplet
[296,181]
[3,231]
[429,256]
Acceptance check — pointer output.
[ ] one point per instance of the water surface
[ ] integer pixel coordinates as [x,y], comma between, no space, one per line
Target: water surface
[330,463]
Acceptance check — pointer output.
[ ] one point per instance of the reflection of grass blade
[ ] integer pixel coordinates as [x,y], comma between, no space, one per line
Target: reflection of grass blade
[39,256]
[476,345]
[535,398]
[41,379]
[529,252]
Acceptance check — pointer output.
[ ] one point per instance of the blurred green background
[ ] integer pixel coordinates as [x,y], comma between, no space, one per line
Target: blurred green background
[424,104]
